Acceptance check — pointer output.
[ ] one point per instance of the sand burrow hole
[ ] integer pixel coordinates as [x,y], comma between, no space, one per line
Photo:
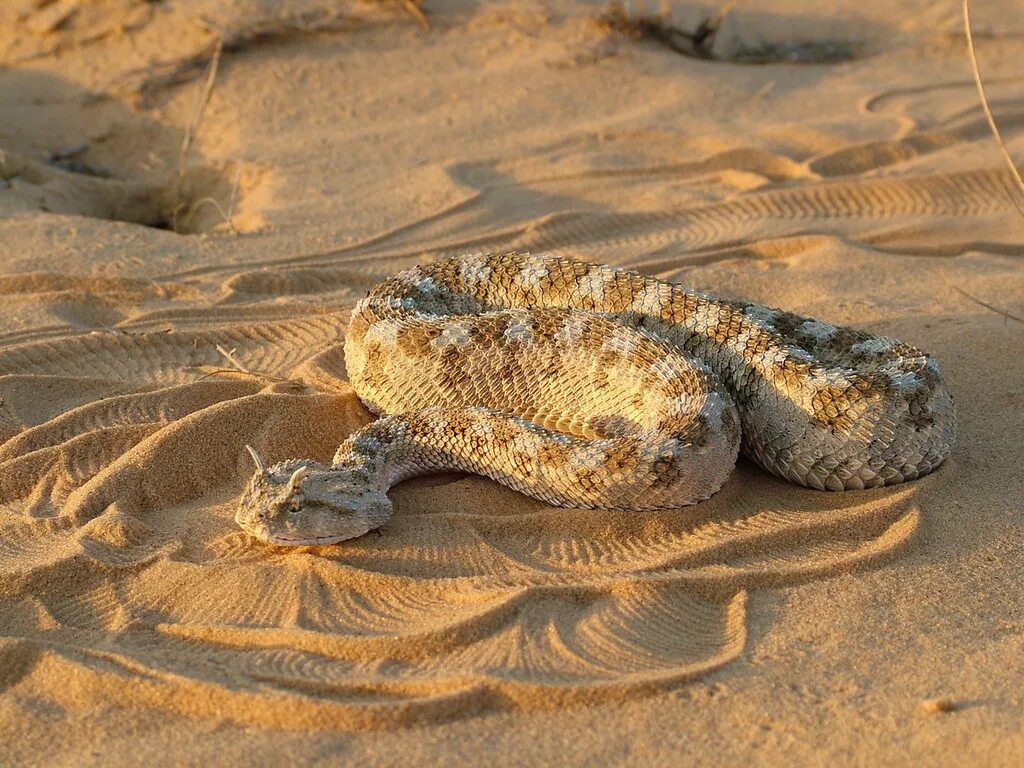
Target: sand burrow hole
[200,200]
[70,151]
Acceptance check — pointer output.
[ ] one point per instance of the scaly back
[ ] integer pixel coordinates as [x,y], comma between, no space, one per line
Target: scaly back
[597,387]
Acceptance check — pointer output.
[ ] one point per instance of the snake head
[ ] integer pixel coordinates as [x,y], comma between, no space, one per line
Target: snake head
[302,502]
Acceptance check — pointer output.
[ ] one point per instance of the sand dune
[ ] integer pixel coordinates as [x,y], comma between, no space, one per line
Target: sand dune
[771,623]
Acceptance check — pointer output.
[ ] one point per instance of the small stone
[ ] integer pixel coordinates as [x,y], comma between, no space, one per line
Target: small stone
[938,706]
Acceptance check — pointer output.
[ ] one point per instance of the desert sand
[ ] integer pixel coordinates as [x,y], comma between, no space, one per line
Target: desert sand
[185,228]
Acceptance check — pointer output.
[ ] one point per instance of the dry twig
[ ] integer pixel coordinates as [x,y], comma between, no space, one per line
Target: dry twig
[190,134]
[997,310]
[229,355]
[236,372]
[237,368]
[980,302]
[988,111]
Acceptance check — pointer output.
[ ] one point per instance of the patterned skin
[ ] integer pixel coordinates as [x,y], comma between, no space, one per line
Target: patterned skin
[595,387]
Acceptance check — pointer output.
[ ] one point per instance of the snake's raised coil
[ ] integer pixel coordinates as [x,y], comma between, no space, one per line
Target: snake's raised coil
[589,386]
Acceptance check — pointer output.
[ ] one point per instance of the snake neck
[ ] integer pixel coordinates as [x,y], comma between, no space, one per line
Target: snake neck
[391,449]
[365,456]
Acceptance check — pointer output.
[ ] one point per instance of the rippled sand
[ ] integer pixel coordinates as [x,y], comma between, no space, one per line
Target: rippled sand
[159,315]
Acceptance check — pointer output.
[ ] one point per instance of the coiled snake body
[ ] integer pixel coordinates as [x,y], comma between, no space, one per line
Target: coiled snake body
[591,386]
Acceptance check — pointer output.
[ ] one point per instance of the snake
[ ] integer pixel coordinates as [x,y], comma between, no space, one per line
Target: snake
[596,387]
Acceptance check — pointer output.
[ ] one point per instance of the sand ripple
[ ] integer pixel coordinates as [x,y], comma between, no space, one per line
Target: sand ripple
[120,560]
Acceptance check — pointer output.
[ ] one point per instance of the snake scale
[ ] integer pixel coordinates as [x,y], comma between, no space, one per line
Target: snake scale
[596,387]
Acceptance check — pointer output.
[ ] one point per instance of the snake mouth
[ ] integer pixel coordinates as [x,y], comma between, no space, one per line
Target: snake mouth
[269,537]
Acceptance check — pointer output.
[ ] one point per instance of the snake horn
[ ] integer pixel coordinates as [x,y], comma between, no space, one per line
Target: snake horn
[296,478]
[260,466]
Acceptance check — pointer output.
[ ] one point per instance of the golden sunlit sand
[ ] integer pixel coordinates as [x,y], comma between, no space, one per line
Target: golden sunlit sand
[193,196]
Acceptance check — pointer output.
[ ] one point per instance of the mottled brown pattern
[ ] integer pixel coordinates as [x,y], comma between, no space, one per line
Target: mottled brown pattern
[477,358]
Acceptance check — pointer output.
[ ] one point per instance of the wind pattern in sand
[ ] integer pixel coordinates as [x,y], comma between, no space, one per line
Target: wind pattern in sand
[119,556]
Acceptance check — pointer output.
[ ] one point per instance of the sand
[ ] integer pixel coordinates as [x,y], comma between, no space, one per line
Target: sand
[164,308]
